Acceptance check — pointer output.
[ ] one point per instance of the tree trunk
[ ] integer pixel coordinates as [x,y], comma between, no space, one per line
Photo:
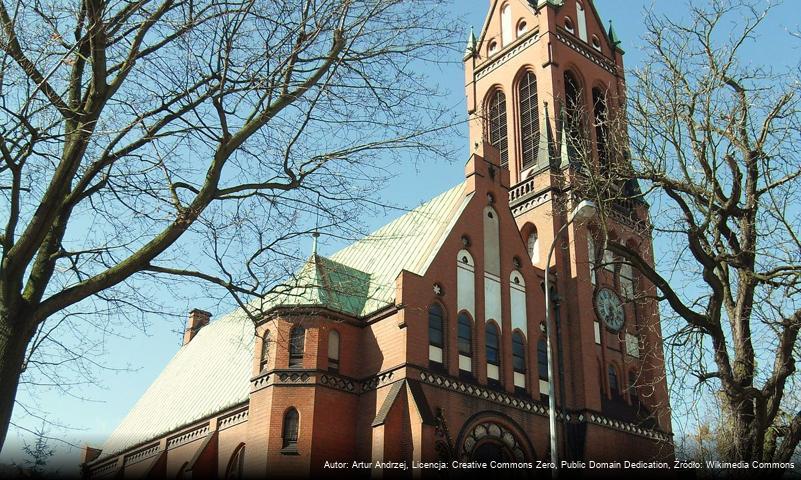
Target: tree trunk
[13,344]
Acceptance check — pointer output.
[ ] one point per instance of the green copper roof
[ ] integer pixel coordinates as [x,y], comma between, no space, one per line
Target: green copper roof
[325,283]
[211,373]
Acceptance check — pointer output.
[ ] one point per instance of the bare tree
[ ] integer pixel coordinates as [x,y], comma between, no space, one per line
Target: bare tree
[711,140]
[191,140]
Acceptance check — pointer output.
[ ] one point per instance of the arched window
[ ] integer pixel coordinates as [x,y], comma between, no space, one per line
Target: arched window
[534,247]
[265,350]
[497,125]
[574,105]
[542,359]
[333,351]
[297,339]
[465,342]
[493,344]
[507,33]
[519,352]
[601,119]
[235,470]
[529,119]
[614,386]
[289,434]
[436,336]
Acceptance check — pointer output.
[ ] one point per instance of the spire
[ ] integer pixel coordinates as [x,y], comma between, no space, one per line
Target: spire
[545,147]
[613,36]
[471,44]
[315,236]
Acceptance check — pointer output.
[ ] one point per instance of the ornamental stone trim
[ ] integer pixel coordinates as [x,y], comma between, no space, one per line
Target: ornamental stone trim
[106,468]
[337,382]
[602,62]
[538,408]
[187,437]
[142,454]
[233,419]
[495,63]
[377,381]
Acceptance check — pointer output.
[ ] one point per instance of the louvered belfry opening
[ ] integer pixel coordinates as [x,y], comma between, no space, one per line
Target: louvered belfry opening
[497,126]
[529,119]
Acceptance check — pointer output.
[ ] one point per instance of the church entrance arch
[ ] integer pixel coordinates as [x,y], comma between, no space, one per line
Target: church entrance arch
[492,436]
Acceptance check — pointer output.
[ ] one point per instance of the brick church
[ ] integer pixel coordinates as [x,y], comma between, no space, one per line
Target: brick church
[425,341]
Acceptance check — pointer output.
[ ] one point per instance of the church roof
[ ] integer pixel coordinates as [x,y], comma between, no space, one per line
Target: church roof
[212,372]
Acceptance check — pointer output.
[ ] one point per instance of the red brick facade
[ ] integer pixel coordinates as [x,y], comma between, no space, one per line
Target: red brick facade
[388,401]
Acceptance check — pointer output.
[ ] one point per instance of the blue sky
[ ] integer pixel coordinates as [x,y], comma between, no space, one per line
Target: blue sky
[102,407]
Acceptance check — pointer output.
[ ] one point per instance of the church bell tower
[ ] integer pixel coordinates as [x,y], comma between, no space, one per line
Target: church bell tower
[541,79]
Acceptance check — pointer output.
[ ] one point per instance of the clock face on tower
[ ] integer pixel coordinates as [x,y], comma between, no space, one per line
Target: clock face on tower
[609,308]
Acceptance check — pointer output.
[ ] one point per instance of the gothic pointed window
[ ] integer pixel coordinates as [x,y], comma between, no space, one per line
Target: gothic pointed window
[289,433]
[529,119]
[236,465]
[601,120]
[296,346]
[572,132]
[497,125]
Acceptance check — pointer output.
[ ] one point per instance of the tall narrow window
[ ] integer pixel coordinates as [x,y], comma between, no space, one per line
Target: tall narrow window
[465,340]
[542,359]
[519,352]
[497,126]
[574,106]
[333,351]
[265,350]
[581,18]
[493,345]
[507,32]
[614,386]
[633,388]
[626,281]
[290,431]
[534,247]
[601,126]
[529,119]
[519,360]
[591,256]
[436,337]
[235,470]
[297,339]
